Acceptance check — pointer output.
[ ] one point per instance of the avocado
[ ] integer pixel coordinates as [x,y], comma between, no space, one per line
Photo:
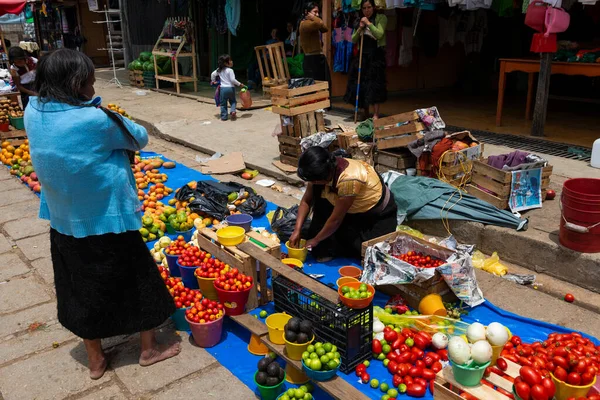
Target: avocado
[261,378]
[290,336]
[272,381]
[281,374]
[273,369]
[294,324]
[302,338]
[264,363]
[306,327]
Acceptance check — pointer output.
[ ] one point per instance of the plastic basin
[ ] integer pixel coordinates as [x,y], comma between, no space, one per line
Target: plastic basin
[241,220]
[357,303]
[344,280]
[276,323]
[231,235]
[319,376]
[234,302]
[294,351]
[353,272]
[187,235]
[564,390]
[207,288]
[178,317]
[188,277]
[5,127]
[297,253]
[269,392]
[207,334]
[293,261]
[432,305]
[18,123]
[468,375]
[173,266]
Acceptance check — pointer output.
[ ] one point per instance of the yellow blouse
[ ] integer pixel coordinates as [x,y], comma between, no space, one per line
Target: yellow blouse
[358,180]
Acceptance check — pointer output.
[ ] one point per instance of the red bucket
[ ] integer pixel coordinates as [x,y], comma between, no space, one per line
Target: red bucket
[580,203]
[207,334]
[234,302]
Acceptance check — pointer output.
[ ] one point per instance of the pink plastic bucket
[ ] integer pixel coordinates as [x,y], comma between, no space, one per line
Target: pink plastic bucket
[207,334]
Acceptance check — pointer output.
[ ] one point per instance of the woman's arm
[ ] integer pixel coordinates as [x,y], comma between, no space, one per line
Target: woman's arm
[119,140]
[20,87]
[303,211]
[378,28]
[356,35]
[313,23]
[342,205]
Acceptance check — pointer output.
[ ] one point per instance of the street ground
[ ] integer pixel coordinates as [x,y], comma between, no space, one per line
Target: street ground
[41,360]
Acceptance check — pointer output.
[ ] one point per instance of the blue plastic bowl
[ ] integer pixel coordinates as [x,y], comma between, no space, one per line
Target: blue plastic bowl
[187,235]
[187,276]
[241,220]
[173,266]
[319,376]
[179,319]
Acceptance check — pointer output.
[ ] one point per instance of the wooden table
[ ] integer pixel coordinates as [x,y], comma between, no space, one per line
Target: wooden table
[531,67]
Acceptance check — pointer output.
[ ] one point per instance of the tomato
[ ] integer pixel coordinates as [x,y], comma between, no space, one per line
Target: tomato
[550,366]
[574,379]
[398,342]
[404,357]
[360,369]
[420,342]
[397,380]
[586,379]
[415,372]
[392,367]
[403,369]
[443,354]
[390,336]
[428,360]
[511,357]
[436,367]
[515,340]
[365,378]
[560,362]
[561,374]
[376,346]
[549,387]
[416,390]
[487,372]
[523,390]
[530,376]
[569,298]
[538,393]
[592,370]
[428,374]
[408,380]
[502,365]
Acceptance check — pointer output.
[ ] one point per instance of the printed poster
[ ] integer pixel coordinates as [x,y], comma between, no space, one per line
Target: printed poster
[526,190]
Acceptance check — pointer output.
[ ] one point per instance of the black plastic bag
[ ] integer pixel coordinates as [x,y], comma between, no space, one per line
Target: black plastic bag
[300,82]
[284,222]
[255,205]
[214,205]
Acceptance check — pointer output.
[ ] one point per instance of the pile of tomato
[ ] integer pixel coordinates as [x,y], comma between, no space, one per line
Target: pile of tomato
[420,260]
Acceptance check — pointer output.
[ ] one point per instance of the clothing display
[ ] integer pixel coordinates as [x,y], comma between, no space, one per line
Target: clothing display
[233,10]
[343,46]
[215,15]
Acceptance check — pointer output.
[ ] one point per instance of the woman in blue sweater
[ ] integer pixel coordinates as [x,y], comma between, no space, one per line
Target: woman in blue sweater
[107,283]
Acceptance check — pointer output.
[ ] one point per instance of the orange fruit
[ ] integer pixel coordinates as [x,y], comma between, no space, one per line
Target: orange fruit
[5,144]
[19,152]
[10,148]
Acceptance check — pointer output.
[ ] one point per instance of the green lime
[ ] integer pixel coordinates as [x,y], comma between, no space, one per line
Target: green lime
[381,357]
[409,342]
[272,355]
[367,363]
[318,344]
[345,289]
[362,288]
[303,388]
[397,330]
[307,396]
[320,351]
[305,355]
[330,355]
[333,348]
[385,397]
[309,387]
[291,393]
[337,355]
[327,347]
[263,314]
[402,388]
[384,388]
[392,393]
[315,364]
[348,295]
[374,383]
[299,394]
[415,312]
[314,356]
[333,364]
[364,295]
[324,359]
[310,348]
[354,296]
[386,362]
[386,348]
[285,397]
[383,342]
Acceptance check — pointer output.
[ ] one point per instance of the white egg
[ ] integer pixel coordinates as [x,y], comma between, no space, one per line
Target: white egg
[475,332]
[496,334]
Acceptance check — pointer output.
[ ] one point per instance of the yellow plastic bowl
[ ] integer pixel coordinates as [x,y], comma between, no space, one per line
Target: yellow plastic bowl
[294,351]
[298,253]
[276,324]
[293,261]
[345,279]
[231,235]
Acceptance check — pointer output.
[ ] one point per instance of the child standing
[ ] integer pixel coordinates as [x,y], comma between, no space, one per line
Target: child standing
[22,72]
[228,84]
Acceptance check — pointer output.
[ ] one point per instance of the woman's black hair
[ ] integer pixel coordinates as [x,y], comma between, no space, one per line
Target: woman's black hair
[16,53]
[62,74]
[316,164]
[309,6]
[222,62]
[362,3]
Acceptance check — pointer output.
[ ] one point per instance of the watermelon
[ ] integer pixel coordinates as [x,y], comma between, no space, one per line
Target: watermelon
[137,65]
[145,56]
[130,66]
[148,66]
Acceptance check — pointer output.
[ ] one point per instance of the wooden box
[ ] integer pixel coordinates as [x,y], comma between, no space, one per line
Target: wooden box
[494,185]
[303,125]
[394,159]
[272,64]
[207,241]
[16,138]
[347,139]
[397,131]
[301,100]
[290,149]
[136,78]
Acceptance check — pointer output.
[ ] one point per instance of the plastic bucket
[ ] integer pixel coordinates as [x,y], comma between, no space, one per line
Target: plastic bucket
[178,317]
[269,392]
[580,203]
[188,277]
[293,261]
[297,253]
[294,351]
[467,375]
[241,220]
[432,305]
[275,323]
[17,123]
[5,127]
[585,189]
[234,302]
[207,288]
[187,235]
[207,334]
[173,266]
[565,391]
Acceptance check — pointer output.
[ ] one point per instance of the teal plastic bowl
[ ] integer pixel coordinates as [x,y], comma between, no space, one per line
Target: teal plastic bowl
[179,319]
[319,376]
[469,375]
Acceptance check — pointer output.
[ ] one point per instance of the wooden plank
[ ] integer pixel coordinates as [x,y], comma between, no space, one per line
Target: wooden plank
[297,277]
[396,142]
[493,200]
[293,161]
[17,134]
[412,127]
[302,109]
[312,123]
[303,125]
[496,174]
[283,90]
[500,382]
[481,391]
[394,119]
[297,127]
[248,321]
[501,190]
[320,121]
[295,101]
[290,151]
[443,393]
[289,140]
[288,169]
[541,97]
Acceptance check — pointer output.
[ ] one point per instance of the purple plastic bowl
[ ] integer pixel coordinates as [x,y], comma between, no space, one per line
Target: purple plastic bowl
[241,220]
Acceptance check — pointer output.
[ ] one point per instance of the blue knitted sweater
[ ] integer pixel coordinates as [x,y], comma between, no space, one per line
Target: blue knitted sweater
[78,154]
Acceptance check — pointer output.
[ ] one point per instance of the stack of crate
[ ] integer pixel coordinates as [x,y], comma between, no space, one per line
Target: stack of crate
[392,136]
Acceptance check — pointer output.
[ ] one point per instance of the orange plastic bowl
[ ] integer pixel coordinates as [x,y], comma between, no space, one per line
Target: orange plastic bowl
[356,303]
[352,272]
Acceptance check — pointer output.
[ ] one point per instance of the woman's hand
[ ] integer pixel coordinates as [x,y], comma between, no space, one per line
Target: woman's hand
[312,243]
[295,239]
[364,21]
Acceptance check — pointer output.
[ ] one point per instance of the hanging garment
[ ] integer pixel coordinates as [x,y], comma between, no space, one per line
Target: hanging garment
[233,9]
[448,29]
[476,31]
[406,49]
[395,4]
[342,40]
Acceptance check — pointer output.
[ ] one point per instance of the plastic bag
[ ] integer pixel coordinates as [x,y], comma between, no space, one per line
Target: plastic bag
[246,98]
[214,205]
[296,65]
[410,231]
[284,222]
[491,264]
[300,82]
[255,205]
[427,323]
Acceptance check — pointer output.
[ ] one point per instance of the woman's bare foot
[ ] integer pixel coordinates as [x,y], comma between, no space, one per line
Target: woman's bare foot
[159,352]
[98,367]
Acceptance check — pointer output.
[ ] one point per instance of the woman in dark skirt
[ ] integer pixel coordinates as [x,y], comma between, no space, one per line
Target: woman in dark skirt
[106,281]
[315,63]
[373,89]
[350,205]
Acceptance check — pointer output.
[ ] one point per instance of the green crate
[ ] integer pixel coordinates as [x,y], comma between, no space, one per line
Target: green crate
[17,123]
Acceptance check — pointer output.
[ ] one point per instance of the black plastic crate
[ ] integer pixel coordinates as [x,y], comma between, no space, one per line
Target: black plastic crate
[348,329]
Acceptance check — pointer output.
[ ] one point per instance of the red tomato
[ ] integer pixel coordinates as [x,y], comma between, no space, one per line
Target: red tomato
[415,372]
[560,362]
[416,390]
[408,380]
[501,364]
[436,367]
[561,374]
[376,346]
[487,372]
[515,340]
[569,298]
[523,390]
[530,376]
[538,393]
[443,354]
[549,387]
[360,369]
[397,380]
[586,378]
[428,374]
[365,378]
[574,379]
[403,369]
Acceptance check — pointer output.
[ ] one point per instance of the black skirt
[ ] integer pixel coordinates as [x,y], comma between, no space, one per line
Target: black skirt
[373,87]
[107,285]
[316,67]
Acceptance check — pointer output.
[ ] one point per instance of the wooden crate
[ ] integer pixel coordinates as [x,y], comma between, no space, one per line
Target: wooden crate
[300,100]
[456,166]
[394,159]
[397,131]
[273,66]
[246,264]
[303,125]
[136,78]
[498,182]
[16,138]
[290,150]
[497,386]
[347,139]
